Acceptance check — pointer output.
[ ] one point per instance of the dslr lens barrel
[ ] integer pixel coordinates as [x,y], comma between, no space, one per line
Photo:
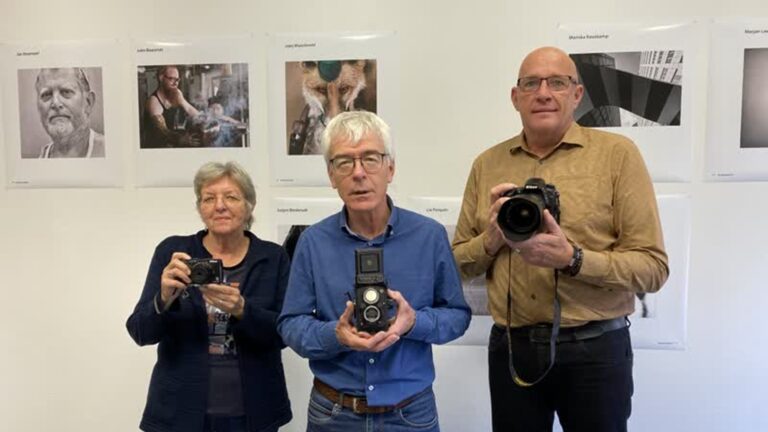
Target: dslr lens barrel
[521,216]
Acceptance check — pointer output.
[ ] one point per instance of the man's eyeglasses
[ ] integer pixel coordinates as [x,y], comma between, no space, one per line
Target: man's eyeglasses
[174,80]
[555,83]
[371,163]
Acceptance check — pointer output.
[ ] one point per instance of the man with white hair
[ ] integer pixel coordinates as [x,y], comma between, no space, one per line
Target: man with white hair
[363,376]
[65,102]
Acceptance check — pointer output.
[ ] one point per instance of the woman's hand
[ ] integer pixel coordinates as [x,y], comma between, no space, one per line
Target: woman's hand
[225,297]
[175,276]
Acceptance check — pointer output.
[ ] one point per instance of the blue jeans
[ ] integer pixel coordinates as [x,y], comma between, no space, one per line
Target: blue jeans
[327,416]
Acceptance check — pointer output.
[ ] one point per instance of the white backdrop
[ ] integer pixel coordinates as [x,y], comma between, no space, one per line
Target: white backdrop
[73,260]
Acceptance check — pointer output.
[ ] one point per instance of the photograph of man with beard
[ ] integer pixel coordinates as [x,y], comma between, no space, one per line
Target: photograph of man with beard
[193,105]
[316,91]
[61,113]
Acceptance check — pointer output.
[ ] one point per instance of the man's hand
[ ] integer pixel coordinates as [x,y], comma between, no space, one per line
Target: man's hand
[494,237]
[547,248]
[225,297]
[406,316]
[175,276]
[348,335]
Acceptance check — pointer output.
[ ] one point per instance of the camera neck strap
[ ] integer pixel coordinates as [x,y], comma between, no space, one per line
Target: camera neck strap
[556,315]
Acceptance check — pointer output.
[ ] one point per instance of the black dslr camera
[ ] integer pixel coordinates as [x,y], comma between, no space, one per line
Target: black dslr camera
[521,216]
[371,301]
[205,271]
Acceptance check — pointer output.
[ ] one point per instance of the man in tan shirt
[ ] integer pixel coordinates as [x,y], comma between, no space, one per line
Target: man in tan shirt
[606,247]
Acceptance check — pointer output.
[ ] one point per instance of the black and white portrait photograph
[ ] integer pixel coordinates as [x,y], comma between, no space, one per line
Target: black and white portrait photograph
[193,105]
[317,90]
[630,89]
[61,113]
[754,102]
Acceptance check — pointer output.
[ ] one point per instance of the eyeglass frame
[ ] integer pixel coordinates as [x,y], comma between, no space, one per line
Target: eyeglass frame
[571,80]
[362,165]
[173,80]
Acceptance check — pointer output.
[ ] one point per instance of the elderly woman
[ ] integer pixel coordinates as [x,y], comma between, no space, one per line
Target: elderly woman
[218,357]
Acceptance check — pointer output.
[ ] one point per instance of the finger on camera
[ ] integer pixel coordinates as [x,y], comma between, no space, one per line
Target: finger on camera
[499,190]
[178,274]
[179,259]
[397,297]
[550,224]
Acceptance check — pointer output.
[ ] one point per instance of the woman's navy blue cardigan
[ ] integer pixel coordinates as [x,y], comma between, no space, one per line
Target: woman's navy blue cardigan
[178,390]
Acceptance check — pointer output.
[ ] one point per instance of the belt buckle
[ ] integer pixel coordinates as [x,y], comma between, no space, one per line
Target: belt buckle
[540,334]
[354,405]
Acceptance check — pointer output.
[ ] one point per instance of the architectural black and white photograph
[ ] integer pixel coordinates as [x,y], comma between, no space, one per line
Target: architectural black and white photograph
[61,113]
[193,105]
[754,102]
[316,91]
[630,89]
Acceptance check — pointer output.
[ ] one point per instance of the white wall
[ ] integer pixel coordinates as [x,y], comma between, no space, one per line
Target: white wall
[73,261]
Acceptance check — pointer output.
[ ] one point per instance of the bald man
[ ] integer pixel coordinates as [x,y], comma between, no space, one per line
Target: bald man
[65,102]
[560,286]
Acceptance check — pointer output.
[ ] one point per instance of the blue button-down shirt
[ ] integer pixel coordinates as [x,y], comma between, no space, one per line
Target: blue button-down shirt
[417,262]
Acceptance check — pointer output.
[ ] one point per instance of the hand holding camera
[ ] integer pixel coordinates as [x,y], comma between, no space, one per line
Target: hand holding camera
[366,324]
[175,277]
[528,222]
[225,297]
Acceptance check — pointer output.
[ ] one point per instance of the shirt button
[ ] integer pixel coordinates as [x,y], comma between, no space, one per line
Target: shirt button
[371,361]
[370,387]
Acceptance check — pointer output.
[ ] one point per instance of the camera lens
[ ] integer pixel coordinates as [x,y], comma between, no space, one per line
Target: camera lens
[371,295]
[371,314]
[520,217]
[200,273]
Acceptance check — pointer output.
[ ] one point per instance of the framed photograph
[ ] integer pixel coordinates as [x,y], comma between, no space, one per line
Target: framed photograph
[192,105]
[62,114]
[636,83]
[737,131]
[313,78]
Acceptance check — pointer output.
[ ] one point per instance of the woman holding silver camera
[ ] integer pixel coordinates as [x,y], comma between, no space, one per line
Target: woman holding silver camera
[219,367]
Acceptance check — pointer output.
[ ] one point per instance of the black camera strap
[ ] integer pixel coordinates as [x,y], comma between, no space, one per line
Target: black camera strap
[552,339]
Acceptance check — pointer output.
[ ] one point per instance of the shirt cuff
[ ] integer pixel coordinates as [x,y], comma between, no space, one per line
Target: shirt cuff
[328,339]
[477,251]
[158,303]
[421,329]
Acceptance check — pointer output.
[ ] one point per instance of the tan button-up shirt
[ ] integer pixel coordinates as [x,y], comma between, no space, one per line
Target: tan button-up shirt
[608,207]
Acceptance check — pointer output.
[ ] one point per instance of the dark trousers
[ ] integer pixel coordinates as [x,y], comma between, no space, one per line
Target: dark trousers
[590,387]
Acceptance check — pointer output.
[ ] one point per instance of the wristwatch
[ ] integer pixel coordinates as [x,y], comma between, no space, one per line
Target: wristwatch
[573,267]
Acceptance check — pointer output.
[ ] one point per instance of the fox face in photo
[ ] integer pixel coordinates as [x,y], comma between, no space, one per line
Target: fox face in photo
[330,87]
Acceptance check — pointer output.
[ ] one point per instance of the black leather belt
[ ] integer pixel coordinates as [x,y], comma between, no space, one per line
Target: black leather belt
[358,404]
[540,333]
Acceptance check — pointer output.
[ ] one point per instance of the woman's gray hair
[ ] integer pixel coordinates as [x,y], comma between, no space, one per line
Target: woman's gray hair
[213,171]
[353,126]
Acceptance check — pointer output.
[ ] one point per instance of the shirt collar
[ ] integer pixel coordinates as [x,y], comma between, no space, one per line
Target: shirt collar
[573,136]
[394,216]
